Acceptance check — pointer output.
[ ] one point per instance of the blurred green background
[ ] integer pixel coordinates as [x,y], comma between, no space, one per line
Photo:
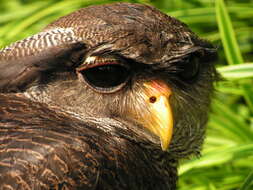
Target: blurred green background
[227,157]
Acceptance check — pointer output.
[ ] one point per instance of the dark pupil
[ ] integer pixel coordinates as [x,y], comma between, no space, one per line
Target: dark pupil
[106,76]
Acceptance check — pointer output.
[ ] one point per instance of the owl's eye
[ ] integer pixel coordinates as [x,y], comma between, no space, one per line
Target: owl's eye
[189,69]
[106,78]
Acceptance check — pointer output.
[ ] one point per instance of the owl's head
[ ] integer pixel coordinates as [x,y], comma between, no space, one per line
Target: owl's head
[129,62]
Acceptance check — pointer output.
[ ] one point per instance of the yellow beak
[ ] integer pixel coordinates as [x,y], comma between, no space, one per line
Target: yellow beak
[160,120]
[162,124]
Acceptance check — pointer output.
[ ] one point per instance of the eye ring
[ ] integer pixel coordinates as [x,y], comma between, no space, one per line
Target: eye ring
[105,78]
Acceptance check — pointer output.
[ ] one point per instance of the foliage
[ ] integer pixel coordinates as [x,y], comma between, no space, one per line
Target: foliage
[227,158]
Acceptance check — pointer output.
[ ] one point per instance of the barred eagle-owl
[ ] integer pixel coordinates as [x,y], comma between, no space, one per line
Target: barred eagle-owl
[108,97]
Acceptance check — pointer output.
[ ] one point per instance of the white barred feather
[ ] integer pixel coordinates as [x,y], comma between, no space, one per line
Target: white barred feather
[39,42]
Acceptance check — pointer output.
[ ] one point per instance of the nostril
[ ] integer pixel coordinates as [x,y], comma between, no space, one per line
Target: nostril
[152,99]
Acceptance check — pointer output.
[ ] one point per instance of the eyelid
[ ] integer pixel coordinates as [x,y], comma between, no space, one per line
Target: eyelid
[96,61]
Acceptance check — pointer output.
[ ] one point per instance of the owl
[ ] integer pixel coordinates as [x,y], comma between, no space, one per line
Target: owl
[108,97]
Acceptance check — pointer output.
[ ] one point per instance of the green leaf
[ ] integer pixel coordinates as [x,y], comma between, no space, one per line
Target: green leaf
[237,71]
[230,121]
[248,182]
[248,95]
[227,34]
[217,157]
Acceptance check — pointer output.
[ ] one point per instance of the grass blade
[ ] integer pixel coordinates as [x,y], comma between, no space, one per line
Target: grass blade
[227,34]
[248,91]
[248,181]
[220,156]
[237,71]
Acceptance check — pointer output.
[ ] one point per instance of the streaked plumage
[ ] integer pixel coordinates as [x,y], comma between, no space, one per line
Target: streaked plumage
[60,131]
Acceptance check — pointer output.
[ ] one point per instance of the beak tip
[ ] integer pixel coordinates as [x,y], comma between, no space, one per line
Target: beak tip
[164,145]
